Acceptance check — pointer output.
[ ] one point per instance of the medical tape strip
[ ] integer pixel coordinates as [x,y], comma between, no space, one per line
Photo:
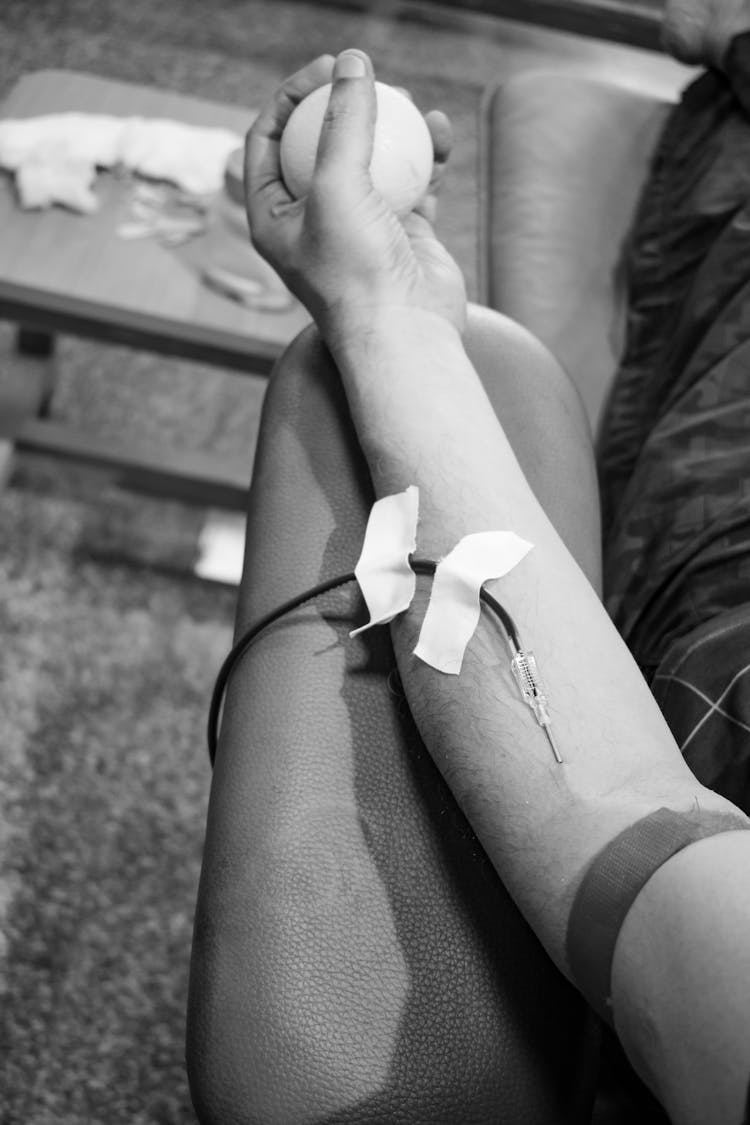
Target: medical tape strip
[612,883]
[454,607]
[383,572]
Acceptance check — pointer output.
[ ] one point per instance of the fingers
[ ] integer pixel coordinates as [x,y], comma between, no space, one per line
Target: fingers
[441,132]
[346,139]
[442,144]
[442,136]
[264,185]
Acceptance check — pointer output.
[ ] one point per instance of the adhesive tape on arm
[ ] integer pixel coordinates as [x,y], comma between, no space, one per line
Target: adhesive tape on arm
[453,612]
[383,572]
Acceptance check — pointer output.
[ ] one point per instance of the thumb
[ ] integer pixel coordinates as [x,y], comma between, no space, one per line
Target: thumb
[346,138]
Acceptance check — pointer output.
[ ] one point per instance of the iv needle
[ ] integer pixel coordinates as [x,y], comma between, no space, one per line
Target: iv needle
[524,669]
[552,743]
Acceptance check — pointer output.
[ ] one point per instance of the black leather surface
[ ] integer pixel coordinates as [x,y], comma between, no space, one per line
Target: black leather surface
[356,959]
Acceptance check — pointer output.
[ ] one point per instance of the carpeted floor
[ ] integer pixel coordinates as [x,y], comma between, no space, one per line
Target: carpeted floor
[109,645]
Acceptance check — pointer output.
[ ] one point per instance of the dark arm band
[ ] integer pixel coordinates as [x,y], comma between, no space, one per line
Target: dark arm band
[612,883]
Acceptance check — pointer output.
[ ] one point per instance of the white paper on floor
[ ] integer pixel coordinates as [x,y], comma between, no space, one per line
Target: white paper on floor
[221,548]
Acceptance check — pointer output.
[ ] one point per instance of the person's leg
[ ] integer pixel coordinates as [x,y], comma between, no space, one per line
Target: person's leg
[674,467]
[352,946]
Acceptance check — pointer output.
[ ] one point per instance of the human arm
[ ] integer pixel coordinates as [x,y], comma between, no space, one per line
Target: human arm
[699,32]
[542,824]
[388,307]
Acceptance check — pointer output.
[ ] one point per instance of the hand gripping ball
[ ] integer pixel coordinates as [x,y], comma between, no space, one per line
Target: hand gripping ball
[402,155]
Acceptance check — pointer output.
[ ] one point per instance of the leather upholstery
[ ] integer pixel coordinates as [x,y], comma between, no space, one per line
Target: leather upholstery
[564,158]
[356,958]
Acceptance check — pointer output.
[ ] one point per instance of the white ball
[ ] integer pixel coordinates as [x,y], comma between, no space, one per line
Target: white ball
[402,155]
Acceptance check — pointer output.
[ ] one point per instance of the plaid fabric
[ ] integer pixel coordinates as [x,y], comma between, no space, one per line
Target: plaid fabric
[674,452]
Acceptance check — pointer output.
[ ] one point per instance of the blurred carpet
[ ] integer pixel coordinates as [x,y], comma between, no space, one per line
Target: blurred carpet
[109,645]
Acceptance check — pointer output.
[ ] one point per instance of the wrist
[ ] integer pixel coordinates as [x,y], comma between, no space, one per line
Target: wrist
[354,336]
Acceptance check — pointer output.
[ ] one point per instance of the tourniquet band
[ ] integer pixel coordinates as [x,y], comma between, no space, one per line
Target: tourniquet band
[612,883]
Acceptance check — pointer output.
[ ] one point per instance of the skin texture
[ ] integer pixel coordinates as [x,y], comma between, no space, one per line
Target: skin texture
[699,31]
[390,305]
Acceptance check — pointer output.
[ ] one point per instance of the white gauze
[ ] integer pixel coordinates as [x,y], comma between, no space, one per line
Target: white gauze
[453,612]
[385,578]
[55,156]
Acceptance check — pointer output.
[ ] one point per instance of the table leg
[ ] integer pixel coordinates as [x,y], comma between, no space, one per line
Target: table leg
[7,453]
[33,343]
[39,381]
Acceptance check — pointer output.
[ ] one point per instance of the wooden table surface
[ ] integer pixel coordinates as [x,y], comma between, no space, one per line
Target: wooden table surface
[61,271]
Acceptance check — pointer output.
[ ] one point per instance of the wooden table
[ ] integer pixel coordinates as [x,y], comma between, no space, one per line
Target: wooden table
[64,272]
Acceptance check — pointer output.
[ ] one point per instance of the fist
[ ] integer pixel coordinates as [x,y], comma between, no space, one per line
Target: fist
[402,156]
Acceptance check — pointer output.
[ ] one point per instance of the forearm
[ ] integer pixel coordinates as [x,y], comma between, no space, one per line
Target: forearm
[423,418]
